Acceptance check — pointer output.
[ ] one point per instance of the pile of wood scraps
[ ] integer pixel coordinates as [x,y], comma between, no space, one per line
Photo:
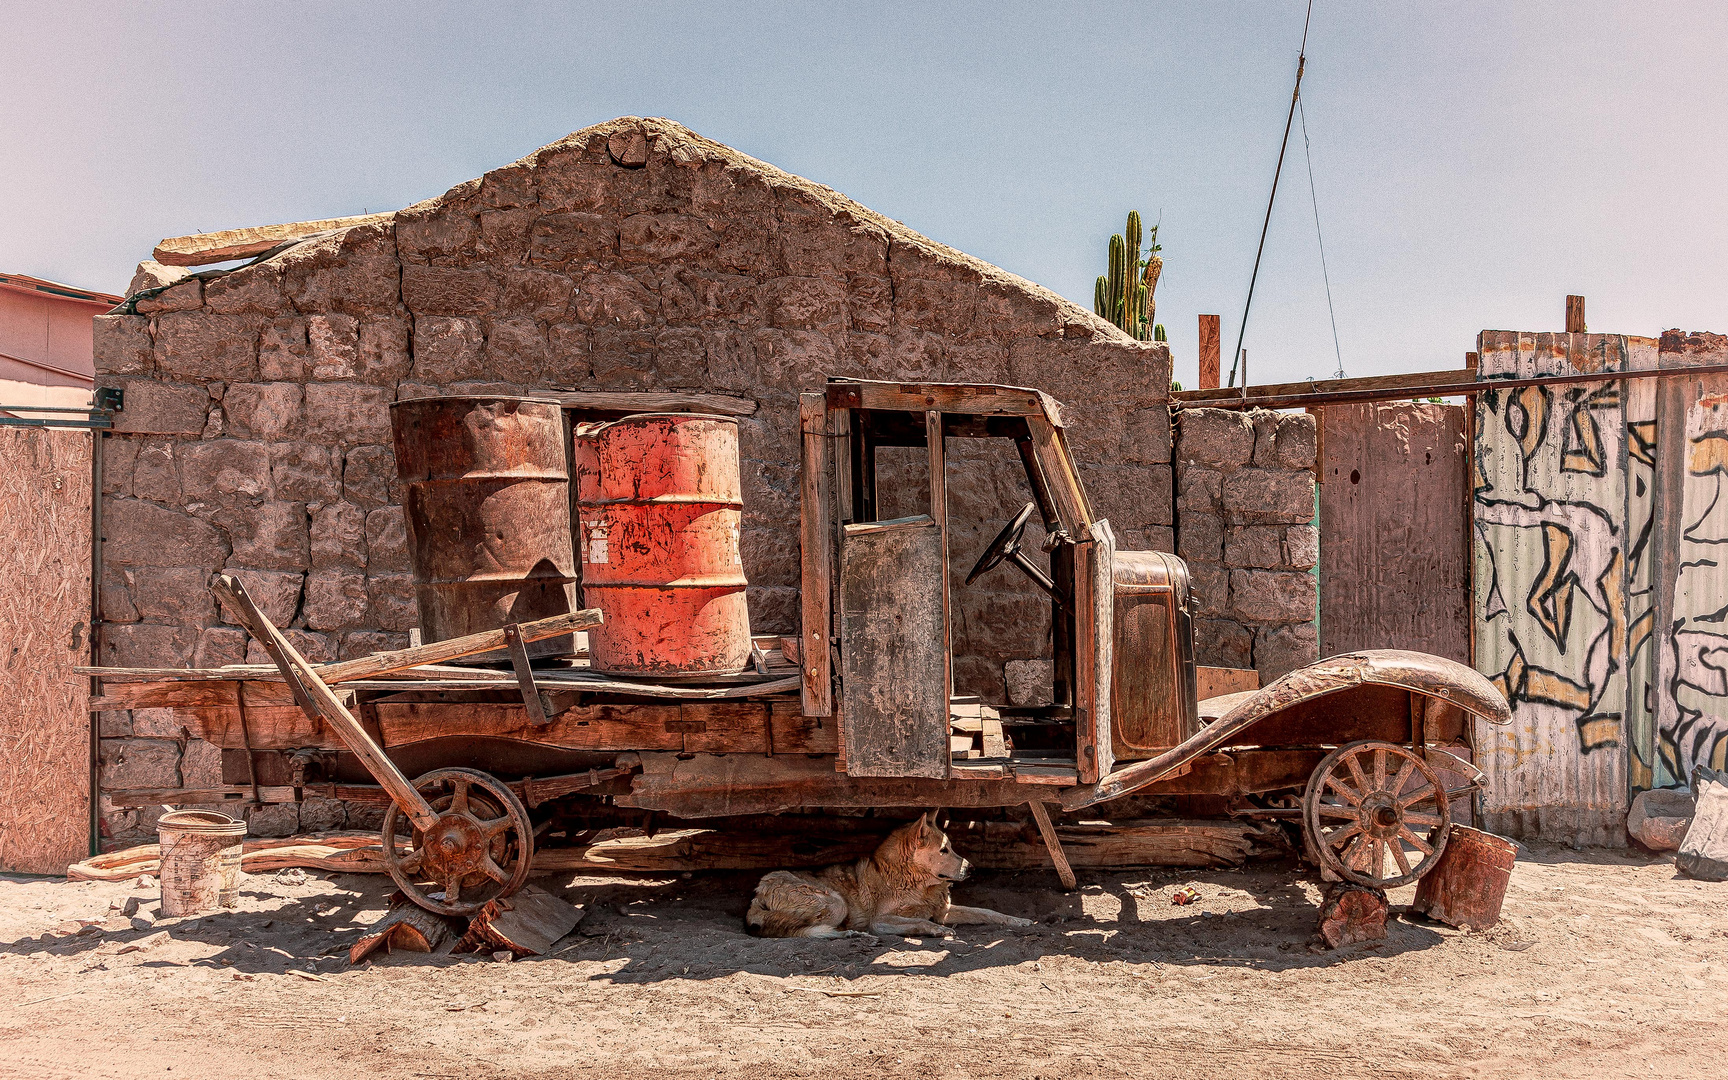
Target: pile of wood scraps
[526,924]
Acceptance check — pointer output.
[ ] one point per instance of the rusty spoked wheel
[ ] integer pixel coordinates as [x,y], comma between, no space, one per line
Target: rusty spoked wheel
[1369,800]
[481,848]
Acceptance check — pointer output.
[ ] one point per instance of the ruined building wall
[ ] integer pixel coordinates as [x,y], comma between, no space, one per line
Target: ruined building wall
[634,255]
[1245,526]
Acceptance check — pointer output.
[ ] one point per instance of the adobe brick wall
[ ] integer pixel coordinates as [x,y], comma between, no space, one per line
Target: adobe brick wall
[1245,513]
[630,255]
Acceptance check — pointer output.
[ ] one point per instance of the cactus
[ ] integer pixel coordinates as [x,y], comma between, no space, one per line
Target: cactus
[1124,295]
[1158,332]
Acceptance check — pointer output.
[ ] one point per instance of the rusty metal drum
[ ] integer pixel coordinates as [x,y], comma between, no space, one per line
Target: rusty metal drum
[488,513]
[659,507]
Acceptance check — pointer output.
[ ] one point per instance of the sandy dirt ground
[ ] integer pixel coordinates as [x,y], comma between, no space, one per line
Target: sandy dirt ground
[1605,964]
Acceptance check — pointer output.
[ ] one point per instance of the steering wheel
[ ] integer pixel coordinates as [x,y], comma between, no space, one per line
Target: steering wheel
[1005,546]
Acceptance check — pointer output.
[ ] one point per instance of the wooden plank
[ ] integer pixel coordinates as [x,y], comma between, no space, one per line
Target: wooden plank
[1210,363]
[1211,682]
[893,649]
[527,923]
[937,446]
[990,738]
[1094,637]
[726,727]
[1395,554]
[201,249]
[1051,451]
[45,729]
[438,652]
[972,399]
[634,401]
[1052,844]
[793,731]
[1575,315]
[816,556]
[1218,396]
[533,791]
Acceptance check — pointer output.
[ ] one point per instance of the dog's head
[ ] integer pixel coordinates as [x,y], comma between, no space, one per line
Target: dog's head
[923,845]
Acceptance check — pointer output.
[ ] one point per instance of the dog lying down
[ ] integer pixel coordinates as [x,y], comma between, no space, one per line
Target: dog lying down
[899,891]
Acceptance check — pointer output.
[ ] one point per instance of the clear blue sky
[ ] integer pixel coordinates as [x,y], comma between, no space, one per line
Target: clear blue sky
[1474,162]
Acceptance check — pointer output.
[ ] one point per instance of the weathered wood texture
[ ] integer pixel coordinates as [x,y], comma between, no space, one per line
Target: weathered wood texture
[639,401]
[895,678]
[1211,682]
[1094,639]
[816,556]
[45,625]
[410,928]
[1394,540]
[1210,374]
[528,923]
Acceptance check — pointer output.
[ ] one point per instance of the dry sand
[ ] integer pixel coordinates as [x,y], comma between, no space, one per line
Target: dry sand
[1605,964]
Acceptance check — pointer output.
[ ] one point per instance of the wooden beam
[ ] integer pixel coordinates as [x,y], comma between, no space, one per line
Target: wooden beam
[1575,315]
[971,399]
[202,248]
[1209,356]
[644,401]
[1224,398]
[1053,844]
[816,556]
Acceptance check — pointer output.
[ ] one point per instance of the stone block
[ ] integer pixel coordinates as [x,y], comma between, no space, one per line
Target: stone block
[383,353]
[121,345]
[200,346]
[284,350]
[158,724]
[573,240]
[220,645]
[354,272]
[1198,489]
[174,595]
[1269,496]
[1222,643]
[138,763]
[622,359]
[447,348]
[367,642]
[183,295]
[143,534]
[667,238]
[387,540]
[155,408]
[681,357]
[336,599]
[616,300]
[1254,545]
[319,814]
[392,600]
[1130,496]
[316,648]
[1279,650]
[305,472]
[1146,435]
[1272,596]
[440,290]
[1302,546]
[116,595]
[439,233]
[338,536]
[804,303]
[335,345]
[253,290]
[119,457]
[1221,438]
[1210,585]
[273,536]
[1265,437]
[272,819]
[223,472]
[1296,441]
[269,411]
[1200,537]
[155,474]
[1029,682]
[200,765]
[348,413]
[151,274]
[516,350]
[148,645]
[276,592]
[369,476]
[114,725]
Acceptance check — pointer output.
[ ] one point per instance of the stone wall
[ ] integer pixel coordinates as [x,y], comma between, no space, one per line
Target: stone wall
[1245,526]
[633,255]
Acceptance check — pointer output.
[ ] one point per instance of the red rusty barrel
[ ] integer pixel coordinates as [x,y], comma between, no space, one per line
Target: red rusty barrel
[659,507]
[488,510]
[1468,884]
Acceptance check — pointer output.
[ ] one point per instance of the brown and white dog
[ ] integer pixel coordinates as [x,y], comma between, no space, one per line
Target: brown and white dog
[900,890]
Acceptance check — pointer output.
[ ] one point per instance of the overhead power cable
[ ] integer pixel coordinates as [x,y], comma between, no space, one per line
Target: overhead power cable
[1308,153]
[1301,61]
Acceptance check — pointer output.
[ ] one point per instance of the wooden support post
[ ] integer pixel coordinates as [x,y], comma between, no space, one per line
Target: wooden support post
[324,703]
[816,536]
[938,448]
[1575,315]
[1051,841]
[1209,355]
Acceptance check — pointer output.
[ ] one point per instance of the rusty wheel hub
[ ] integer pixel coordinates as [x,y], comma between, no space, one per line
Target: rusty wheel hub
[479,849]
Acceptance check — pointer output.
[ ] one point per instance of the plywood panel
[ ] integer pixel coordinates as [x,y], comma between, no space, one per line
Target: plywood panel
[45,624]
[892,633]
[1394,536]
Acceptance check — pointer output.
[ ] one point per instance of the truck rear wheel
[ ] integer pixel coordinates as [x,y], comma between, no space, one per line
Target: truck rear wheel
[1375,814]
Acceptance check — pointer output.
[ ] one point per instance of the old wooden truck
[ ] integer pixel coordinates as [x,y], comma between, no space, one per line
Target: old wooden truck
[858,710]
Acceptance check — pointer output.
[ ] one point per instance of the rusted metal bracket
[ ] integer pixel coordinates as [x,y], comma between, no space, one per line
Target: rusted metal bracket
[525,676]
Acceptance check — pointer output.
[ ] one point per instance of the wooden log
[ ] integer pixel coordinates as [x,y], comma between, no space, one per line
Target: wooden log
[201,249]
[528,923]
[410,928]
[1053,844]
